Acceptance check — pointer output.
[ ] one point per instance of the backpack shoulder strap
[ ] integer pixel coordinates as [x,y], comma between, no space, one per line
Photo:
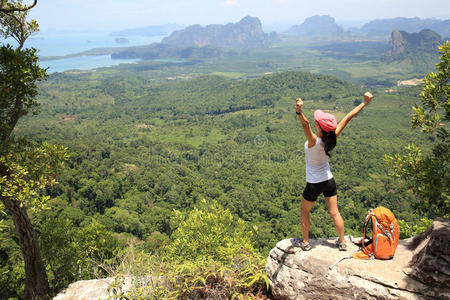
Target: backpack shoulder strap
[366,223]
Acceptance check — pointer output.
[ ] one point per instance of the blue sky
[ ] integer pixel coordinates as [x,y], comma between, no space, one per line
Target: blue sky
[119,14]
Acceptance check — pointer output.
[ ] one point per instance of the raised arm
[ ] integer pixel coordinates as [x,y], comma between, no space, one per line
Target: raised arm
[310,136]
[367,98]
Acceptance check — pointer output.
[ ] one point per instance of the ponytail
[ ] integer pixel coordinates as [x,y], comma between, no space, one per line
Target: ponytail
[329,139]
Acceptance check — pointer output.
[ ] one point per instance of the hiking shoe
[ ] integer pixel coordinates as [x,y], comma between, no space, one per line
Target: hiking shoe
[298,242]
[342,246]
[305,246]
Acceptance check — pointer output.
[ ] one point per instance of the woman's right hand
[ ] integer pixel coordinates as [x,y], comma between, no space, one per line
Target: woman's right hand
[298,104]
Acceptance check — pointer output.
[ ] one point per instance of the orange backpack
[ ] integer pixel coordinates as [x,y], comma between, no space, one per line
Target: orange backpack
[385,234]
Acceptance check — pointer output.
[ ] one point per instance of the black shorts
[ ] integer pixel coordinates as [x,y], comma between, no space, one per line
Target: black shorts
[313,190]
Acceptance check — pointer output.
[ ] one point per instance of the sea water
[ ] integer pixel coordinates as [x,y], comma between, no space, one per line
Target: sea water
[83,63]
[63,43]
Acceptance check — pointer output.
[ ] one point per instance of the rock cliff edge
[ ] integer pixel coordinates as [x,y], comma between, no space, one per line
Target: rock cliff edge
[419,270]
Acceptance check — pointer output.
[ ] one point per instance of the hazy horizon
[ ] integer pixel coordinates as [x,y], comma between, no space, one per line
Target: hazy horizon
[111,15]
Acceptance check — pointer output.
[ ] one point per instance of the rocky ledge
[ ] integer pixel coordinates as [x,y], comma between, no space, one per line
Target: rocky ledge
[94,289]
[419,270]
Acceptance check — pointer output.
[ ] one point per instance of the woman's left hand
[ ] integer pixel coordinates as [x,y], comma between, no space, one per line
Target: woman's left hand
[298,104]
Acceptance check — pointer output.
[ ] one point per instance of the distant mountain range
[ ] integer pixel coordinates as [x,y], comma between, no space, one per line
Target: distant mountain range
[197,42]
[247,33]
[318,27]
[383,27]
[403,43]
[326,28]
[442,27]
[155,30]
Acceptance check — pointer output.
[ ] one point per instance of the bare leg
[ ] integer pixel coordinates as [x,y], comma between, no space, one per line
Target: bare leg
[337,219]
[305,208]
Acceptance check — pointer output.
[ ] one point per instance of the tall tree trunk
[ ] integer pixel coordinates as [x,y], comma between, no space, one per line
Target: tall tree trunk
[36,282]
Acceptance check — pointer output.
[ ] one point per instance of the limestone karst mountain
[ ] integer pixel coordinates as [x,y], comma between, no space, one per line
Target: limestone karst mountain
[197,42]
[318,27]
[247,33]
[403,43]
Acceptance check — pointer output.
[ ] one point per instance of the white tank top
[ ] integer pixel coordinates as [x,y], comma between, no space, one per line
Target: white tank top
[317,166]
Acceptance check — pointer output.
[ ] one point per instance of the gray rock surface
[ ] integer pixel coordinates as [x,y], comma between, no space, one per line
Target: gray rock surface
[91,289]
[419,270]
[403,43]
[431,261]
[397,43]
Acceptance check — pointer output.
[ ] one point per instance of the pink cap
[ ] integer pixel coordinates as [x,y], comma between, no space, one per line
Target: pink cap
[326,121]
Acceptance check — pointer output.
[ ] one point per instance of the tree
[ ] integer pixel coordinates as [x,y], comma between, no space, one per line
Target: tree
[428,175]
[75,253]
[26,167]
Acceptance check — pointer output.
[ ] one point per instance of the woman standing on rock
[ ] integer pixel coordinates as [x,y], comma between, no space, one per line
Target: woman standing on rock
[319,179]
